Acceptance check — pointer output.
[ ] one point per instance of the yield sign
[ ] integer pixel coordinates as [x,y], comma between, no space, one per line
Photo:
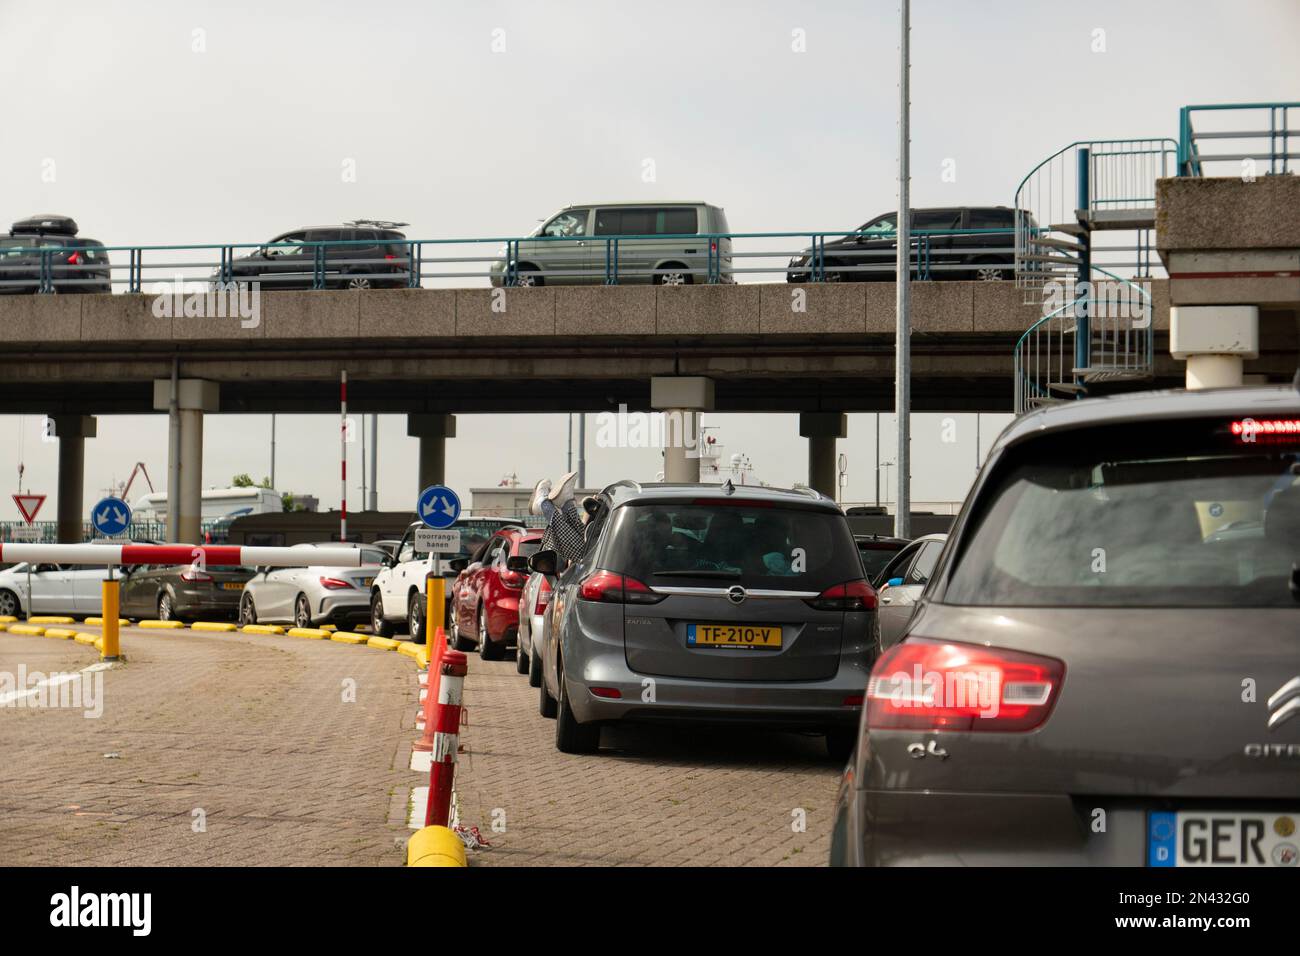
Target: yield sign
[29,505]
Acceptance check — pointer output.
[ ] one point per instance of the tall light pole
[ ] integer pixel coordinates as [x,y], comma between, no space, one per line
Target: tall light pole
[903,304]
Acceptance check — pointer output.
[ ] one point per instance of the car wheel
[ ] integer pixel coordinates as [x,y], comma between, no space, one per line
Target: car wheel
[9,604]
[166,610]
[840,743]
[527,278]
[457,640]
[572,737]
[521,659]
[415,619]
[301,612]
[546,704]
[380,626]
[534,669]
[247,612]
[675,274]
[990,270]
[358,282]
[487,650]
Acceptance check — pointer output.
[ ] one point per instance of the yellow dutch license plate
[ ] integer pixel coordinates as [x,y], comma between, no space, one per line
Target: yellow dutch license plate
[757,636]
[233,586]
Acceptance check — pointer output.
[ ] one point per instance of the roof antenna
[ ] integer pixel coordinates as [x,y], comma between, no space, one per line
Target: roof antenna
[728,488]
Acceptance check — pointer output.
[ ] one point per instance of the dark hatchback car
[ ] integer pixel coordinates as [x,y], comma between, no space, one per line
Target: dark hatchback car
[75,264]
[986,252]
[876,551]
[364,254]
[711,604]
[182,592]
[1104,667]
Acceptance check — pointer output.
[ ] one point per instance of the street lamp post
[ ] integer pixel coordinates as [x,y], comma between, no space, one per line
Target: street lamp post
[903,303]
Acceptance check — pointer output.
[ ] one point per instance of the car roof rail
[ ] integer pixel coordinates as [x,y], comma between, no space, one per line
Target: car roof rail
[377,223]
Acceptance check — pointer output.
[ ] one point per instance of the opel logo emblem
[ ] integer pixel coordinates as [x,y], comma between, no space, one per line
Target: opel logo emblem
[736,594]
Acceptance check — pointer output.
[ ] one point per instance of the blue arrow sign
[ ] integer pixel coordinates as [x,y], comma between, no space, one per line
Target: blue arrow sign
[110,517]
[438,506]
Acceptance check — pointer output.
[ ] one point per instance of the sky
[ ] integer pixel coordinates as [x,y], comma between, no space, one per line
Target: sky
[187,122]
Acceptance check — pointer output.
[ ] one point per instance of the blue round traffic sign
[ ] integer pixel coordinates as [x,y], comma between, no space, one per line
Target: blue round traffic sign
[438,506]
[110,516]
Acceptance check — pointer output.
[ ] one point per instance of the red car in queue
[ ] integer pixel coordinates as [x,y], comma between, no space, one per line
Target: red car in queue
[485,594]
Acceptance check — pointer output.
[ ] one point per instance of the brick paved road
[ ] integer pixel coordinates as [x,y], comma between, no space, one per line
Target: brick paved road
[652,795]
[252,730]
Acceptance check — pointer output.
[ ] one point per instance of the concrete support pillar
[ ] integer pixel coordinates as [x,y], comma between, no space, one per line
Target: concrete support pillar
[193,397]
[822,429]
[72,432]
[433,432]
[1215,341]
[681,398]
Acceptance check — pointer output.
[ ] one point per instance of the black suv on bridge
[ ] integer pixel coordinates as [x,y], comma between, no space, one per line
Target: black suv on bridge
[376,256]
[79,265]
[869,252]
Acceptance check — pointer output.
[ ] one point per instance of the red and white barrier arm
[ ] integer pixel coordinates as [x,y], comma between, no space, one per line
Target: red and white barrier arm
[213,555]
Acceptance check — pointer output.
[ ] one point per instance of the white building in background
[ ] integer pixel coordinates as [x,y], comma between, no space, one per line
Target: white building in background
[216,503]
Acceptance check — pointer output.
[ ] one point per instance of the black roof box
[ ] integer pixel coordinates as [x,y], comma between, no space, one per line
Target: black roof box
[47,224]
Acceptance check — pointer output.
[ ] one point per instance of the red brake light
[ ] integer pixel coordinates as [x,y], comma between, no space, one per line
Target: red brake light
[334,584]
[934,685]
[75,258]
[616,589]
[855,595]
[612,693]
[389,256]
[543,595]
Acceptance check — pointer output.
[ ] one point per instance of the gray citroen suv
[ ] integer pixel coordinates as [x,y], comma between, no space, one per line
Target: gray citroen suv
[1104,667]
[708,603]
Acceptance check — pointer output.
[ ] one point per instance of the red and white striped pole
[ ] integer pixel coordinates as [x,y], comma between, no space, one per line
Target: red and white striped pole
[208,555]
[446,738]
[343,442]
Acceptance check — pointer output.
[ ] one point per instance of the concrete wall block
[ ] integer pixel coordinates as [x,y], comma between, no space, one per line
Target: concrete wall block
[828,308]
[519,311]
[1194,213]
[408,313]
[312,315]
[707,310]
[122,318]
[42,318]
[605,310]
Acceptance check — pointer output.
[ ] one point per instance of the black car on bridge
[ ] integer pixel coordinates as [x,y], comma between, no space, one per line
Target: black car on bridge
[953,242]
[362,254]
[50,242]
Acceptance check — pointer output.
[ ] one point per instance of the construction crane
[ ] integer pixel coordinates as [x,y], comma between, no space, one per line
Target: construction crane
[139,469]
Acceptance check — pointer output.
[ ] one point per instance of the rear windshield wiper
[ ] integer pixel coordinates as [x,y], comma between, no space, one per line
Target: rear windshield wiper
[728,575]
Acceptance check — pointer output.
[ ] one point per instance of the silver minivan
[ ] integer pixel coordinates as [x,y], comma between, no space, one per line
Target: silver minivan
[583,244]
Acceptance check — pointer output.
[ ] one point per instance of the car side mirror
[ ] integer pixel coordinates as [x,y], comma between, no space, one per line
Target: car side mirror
[517,563]
[545,562]
[458,564]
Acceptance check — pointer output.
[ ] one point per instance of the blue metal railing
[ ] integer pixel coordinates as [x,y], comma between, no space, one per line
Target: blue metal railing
[708,258]
[1280,133]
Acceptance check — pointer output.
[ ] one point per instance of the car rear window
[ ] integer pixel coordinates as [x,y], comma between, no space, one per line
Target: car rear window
[754,544]
[876,556]
[1162,514]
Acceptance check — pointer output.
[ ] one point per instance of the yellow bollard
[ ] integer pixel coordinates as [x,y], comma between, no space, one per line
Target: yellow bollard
[110,589]
[435,610]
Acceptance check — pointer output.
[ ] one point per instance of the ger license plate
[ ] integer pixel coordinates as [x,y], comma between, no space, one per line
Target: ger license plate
[233,586]
[1212,838]
[758,636]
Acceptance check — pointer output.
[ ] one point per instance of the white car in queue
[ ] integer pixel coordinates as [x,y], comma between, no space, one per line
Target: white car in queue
[55,589]
[533,602]
[313,595]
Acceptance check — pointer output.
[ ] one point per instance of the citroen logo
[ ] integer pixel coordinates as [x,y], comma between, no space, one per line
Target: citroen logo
[1285,704]
[736,595]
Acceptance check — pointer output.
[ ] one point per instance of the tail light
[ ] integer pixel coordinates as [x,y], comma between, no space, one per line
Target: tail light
[75,258]
[389,256]
[543,595]
[193,574]
[334,584]
[713,246]
[614,588]
[850,596]
[932,685]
